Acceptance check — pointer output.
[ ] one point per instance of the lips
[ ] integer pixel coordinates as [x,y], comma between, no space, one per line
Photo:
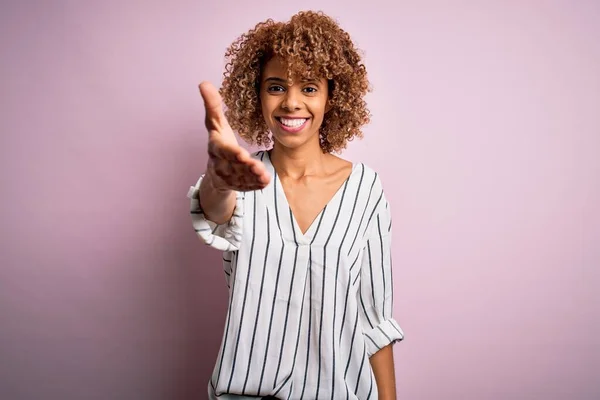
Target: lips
[292,124]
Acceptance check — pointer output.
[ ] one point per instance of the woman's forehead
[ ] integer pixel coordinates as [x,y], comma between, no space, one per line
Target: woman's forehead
[276,65]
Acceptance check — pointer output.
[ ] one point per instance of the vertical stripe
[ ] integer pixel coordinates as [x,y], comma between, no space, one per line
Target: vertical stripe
[226,334]
[227,270]
[318,225]
[351,344]
[299,324]
[364,211]
[309,322]
[356,278]
[358,254]
[371,272]
[262,284]
[250,260]
[362,303]
[345,309]
[349,222]
[373,213]
[360,370]
[384,290]
[337,216]
[287,313]
[391,265]
[390,261]
[262,374]
[370,387]
[310,300]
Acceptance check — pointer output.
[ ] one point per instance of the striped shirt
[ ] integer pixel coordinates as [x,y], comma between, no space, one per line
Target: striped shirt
[306,311]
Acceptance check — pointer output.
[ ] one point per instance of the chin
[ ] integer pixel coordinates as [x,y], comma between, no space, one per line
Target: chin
[290,143]
[293,142]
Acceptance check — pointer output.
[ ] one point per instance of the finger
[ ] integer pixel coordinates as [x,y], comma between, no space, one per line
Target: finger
[254,165]
[244,156]
[212,99]
[212,104]
[260,174]
[265,178]
[258,169]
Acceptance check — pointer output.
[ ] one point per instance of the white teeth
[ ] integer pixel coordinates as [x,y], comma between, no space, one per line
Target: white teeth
[293,123]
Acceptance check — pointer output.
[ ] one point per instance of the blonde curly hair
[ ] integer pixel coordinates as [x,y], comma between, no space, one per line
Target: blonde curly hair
[312,45]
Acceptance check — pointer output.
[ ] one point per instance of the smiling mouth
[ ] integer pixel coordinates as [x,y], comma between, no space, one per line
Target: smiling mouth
[291,124]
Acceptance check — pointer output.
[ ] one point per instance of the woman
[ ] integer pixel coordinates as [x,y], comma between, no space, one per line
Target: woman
[305,235]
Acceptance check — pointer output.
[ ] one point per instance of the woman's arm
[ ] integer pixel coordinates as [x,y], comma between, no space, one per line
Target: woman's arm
[382,363]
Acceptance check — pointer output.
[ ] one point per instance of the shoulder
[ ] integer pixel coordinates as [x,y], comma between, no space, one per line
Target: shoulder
[372,185]
[369,176]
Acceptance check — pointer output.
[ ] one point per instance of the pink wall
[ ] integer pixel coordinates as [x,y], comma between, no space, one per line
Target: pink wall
[486,132]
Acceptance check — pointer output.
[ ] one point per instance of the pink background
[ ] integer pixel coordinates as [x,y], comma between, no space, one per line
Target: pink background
[486,131]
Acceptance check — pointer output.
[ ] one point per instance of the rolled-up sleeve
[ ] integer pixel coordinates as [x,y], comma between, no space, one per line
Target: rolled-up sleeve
[376,285]
[225,237]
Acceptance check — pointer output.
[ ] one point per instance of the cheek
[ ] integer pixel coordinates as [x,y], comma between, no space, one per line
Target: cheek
[267,105]
[320,109]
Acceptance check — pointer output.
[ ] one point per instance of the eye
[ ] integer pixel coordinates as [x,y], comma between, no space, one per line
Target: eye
[310,89]
[275,88]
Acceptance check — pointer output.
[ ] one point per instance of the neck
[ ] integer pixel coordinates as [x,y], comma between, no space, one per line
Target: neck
[299,162]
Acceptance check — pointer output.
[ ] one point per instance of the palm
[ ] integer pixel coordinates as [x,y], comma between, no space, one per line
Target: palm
[229,164]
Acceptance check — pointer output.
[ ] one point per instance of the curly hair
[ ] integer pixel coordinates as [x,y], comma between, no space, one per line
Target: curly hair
[311,45]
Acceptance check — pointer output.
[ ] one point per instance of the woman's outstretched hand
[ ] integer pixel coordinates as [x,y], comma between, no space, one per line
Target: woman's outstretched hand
[230,166]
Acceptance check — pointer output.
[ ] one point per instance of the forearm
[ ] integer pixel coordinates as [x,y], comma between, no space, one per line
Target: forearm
[382,363]
[218,204]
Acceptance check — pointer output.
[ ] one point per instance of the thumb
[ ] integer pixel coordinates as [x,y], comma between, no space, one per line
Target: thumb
[212,105]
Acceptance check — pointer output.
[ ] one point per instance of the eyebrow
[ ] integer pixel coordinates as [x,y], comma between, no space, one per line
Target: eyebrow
[281,80]
[275,79]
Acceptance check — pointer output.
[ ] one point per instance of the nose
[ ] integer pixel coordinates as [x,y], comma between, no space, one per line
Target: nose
[291,100]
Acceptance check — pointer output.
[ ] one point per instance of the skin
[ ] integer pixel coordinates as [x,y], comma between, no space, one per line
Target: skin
[309,177]
[382,363]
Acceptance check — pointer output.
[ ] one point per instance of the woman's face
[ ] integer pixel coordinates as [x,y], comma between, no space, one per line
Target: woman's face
[293,111]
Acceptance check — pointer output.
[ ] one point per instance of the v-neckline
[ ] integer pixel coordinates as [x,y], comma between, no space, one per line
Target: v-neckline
[306,236]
